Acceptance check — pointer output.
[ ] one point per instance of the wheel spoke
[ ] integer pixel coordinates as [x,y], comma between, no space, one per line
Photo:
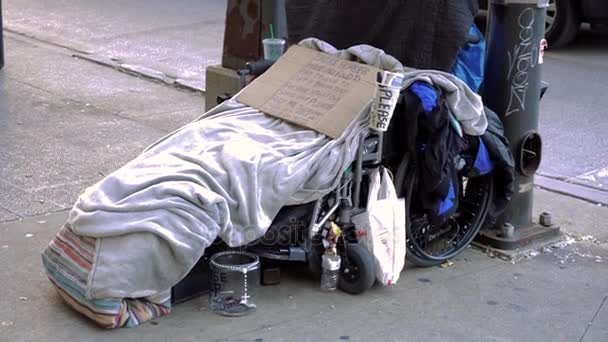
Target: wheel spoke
[469,203]
[429,241]
[467,210]
[421,231]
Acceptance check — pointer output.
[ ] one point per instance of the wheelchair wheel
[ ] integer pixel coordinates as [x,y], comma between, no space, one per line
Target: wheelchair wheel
[357,273]
[430,245]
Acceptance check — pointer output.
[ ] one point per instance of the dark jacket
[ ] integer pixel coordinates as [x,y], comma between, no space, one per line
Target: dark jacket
[504,164]
[441,157]
[422,34]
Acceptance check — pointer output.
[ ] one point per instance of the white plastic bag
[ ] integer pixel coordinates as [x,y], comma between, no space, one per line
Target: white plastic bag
[381,228]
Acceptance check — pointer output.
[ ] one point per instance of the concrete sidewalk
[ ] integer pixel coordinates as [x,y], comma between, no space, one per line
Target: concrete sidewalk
[66,123]
[558,295]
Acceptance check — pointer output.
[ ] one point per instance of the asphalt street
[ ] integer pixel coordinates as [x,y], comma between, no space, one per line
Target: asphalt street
[573,122]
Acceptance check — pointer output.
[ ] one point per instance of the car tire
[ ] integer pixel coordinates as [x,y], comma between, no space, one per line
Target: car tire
[566,23]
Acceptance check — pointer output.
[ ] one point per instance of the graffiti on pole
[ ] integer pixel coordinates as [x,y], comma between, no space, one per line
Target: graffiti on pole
[522,57]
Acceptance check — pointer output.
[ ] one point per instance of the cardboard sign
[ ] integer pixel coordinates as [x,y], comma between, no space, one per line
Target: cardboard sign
[313,89]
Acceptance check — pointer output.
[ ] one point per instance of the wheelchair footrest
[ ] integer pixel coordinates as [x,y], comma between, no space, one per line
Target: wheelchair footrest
[291,253]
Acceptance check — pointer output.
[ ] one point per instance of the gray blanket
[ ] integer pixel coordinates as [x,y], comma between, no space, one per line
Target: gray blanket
[224,175]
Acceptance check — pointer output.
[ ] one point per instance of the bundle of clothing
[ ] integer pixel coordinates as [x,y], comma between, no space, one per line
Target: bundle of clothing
[136,233]
[443,151]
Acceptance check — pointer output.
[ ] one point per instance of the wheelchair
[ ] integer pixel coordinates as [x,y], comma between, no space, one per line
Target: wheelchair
[297,232]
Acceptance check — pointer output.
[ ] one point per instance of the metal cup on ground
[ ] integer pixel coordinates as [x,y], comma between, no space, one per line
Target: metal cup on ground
[235,277]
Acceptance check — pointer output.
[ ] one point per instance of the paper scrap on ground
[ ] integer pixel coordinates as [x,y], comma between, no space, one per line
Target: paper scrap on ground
[447,264]
[313,89]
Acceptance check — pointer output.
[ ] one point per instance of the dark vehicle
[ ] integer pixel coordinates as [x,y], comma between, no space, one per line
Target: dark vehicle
[564,18]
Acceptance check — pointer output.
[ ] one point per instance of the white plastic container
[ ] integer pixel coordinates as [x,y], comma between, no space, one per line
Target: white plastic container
[273,48]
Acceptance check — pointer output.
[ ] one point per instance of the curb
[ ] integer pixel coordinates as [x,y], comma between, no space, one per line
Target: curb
[582,192]
[86,53]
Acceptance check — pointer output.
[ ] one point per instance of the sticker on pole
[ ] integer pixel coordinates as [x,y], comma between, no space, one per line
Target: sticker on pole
[541,50]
